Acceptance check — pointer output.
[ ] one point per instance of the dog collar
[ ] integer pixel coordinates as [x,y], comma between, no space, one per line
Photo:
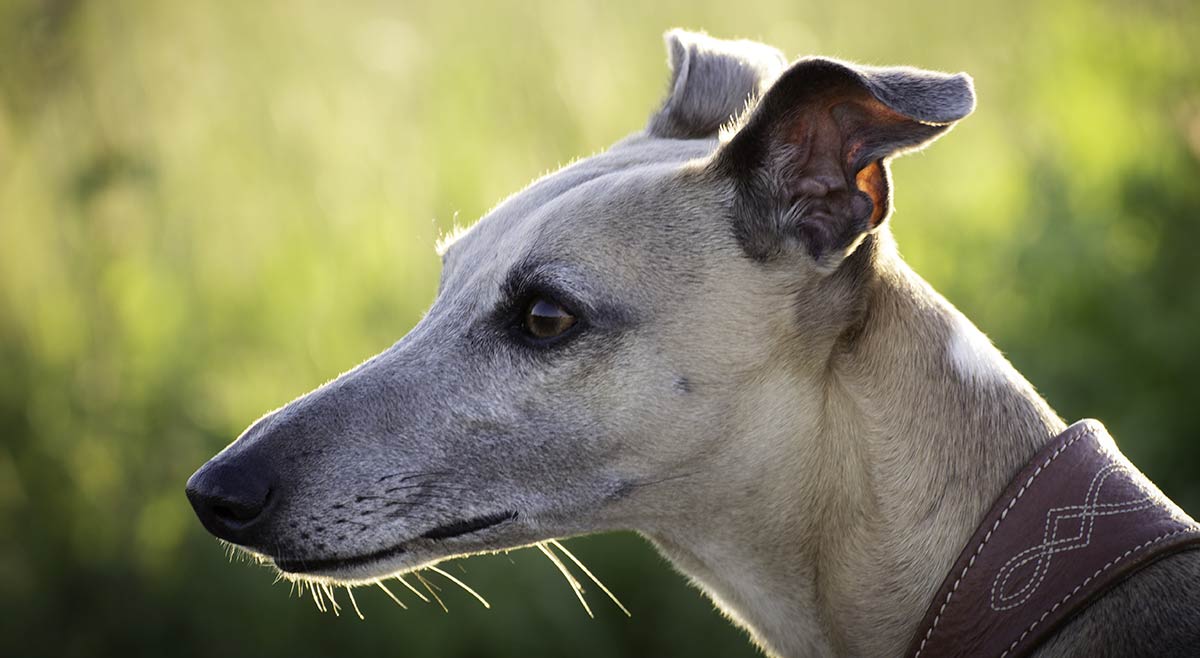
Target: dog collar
[1077,519]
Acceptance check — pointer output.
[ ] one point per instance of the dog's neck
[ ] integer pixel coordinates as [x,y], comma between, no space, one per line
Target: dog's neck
[868,481]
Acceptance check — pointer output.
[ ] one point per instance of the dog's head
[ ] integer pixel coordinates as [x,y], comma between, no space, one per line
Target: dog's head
[622,326]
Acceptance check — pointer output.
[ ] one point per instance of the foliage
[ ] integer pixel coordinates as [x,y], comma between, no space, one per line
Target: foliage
[207,209]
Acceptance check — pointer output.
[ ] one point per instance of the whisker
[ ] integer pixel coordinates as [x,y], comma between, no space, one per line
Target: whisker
[317,598]
[354,603]
[562,568]
[411,588]
[430,587]
[462,585]
[332,599]
[557,544]
[391,596]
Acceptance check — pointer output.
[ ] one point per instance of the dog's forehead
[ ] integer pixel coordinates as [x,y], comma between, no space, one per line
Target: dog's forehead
[576,211]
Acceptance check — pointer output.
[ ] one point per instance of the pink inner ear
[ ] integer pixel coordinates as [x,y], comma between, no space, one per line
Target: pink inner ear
[817,165]
[823,135]
[872,180]
[833,134]
[830,137]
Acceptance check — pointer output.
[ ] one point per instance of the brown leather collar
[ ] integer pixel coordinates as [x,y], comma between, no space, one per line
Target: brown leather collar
[1075,521]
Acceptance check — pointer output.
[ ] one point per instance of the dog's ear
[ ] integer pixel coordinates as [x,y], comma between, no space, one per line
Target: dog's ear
[810,162]
[711,82]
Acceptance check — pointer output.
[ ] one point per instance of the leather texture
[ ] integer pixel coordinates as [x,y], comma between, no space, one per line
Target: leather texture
[1075,521]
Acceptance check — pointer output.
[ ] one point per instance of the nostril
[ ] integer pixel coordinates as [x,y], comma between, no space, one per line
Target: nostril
[237,511]
[232,514]
[228,517]
[230,499]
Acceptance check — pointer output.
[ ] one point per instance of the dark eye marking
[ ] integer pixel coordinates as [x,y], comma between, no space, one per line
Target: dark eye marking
[548,303]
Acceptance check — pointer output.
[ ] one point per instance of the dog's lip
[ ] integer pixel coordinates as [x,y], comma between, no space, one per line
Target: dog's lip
[439,533]
[468,526]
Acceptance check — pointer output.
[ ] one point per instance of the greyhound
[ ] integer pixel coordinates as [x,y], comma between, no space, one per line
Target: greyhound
[704,334]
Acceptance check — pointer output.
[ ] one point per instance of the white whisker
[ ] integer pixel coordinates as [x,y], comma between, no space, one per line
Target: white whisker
[317,597]
[411,588]
[562,568]
[391,596]
[430,587]
[462,585]
[354,603]
[557,544]
[332,599]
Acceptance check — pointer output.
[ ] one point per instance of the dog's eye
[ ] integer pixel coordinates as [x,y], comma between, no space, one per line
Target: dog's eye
[546,319]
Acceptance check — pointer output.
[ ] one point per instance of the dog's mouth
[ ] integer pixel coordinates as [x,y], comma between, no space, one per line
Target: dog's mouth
[451,530]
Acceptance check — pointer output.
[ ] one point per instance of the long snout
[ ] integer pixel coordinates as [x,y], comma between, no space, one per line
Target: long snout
[343,456]
[247,494]
[242,494]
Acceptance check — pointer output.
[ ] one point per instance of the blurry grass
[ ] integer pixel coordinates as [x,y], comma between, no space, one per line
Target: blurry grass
[209,208]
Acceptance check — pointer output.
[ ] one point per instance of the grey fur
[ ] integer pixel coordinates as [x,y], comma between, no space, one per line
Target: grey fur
[811,440]
[712,80]
[926,96]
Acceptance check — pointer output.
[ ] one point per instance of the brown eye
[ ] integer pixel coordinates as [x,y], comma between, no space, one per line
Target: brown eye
[545,319]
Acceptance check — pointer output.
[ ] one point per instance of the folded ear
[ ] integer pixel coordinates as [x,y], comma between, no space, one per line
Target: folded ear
[711,82]
[811,161]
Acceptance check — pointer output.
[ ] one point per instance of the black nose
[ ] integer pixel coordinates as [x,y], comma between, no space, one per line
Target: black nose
[231,496]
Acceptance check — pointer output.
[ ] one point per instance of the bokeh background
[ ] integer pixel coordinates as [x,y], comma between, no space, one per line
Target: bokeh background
[208,208]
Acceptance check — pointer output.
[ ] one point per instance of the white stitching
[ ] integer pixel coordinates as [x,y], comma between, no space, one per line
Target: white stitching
[1086,431]
[1034,554]
[1052,545]
[1088,580]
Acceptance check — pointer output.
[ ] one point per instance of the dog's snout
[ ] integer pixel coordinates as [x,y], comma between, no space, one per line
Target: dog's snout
[231,497]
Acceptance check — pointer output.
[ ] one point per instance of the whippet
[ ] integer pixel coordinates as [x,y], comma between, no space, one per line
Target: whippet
[705,334]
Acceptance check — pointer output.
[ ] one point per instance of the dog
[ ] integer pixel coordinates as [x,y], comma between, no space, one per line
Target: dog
[704,334]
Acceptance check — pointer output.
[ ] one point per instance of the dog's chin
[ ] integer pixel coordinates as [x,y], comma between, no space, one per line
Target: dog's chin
[483,534]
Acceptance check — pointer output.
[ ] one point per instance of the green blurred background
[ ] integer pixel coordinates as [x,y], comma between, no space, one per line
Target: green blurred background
[208,208]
